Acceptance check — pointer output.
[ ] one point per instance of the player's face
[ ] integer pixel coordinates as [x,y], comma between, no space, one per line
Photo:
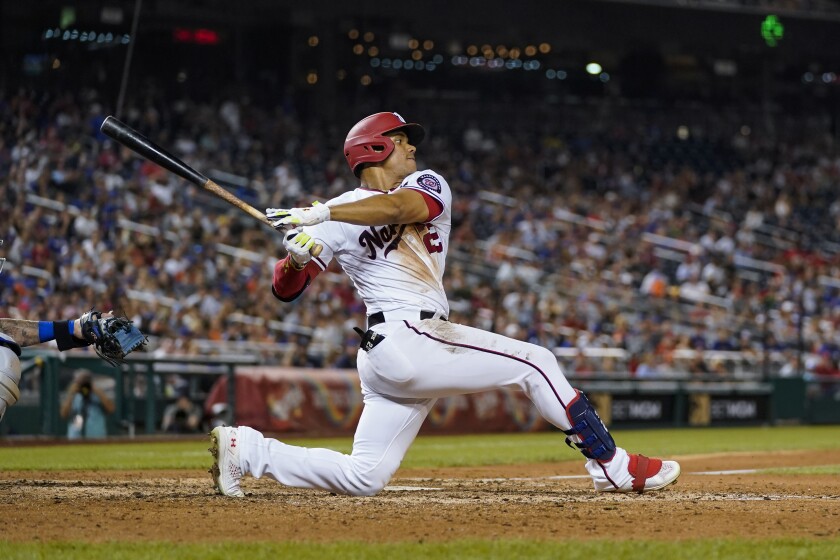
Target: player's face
[401,161]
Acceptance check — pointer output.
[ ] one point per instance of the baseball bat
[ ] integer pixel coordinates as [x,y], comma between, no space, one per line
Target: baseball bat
[139,144]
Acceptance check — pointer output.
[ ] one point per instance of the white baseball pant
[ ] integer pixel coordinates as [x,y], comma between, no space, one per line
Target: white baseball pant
[401,379]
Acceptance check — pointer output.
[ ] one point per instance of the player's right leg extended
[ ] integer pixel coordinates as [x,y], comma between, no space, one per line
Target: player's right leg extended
[386,429]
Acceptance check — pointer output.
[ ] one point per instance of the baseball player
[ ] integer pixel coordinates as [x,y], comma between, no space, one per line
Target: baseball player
[391,236]
[112,337]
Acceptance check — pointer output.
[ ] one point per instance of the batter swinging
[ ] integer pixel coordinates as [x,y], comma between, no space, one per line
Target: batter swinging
[391,236]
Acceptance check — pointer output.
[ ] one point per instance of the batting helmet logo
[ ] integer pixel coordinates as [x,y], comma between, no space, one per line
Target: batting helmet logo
[367,141]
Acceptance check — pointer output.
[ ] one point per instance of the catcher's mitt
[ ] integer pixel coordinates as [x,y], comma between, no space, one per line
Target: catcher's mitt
[112,337]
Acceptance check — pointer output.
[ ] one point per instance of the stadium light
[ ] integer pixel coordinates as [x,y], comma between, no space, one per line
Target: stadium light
[772,30]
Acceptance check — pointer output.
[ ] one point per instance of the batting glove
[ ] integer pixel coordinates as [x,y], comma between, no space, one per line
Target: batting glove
[296,217]
[298,243]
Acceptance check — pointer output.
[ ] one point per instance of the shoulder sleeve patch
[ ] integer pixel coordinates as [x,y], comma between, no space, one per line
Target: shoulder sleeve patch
[429,183]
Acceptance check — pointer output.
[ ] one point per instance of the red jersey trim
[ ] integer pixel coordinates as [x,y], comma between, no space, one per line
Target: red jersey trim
[434,205]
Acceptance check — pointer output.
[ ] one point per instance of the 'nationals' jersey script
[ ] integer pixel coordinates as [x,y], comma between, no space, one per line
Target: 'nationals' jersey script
[394,266]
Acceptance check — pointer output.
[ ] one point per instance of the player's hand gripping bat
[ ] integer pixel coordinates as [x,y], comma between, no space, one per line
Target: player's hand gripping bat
[139,144]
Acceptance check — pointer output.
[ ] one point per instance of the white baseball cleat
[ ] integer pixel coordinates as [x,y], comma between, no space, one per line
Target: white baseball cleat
[226,471]
[648,474]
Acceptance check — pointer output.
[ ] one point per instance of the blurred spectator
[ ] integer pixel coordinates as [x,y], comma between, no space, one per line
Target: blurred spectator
[299,354]
[825,376]
[825,366]
[697,367]
[219,415]
[183,416]
[85,407]
[654,284]
[648,366]
[790,367]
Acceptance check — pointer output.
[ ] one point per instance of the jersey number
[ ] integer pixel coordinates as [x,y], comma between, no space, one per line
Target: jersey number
[432,241]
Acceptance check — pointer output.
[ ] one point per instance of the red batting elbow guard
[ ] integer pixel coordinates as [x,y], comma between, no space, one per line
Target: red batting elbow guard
[288,282]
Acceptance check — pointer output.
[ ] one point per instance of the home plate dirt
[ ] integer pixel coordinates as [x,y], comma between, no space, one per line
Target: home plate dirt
[541,501]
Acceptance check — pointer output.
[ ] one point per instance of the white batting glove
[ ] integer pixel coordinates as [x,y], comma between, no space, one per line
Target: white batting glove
[298,243]
[295,217]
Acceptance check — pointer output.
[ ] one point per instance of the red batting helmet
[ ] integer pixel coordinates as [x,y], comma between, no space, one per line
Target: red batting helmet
[366,142]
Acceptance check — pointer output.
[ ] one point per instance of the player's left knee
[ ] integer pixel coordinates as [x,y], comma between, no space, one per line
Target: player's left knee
[368,487]
[371,481]
[368,490]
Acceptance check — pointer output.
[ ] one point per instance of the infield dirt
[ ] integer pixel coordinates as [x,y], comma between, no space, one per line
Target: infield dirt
[509,501]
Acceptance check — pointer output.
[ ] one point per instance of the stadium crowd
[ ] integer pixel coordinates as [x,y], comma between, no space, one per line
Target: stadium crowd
[656,242]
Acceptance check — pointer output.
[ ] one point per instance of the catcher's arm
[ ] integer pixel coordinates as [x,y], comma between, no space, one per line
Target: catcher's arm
[28,333]
[113,337]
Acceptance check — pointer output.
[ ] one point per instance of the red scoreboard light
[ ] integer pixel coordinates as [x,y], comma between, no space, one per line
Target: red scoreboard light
[196,36]
[206,37]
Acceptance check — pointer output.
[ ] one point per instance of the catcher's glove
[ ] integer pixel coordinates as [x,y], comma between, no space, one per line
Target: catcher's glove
[112,337]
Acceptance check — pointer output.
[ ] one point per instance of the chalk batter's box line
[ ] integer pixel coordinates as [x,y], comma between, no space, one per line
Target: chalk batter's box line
[577,476]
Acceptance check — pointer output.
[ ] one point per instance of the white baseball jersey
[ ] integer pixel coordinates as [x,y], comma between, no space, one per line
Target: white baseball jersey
[395,266]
